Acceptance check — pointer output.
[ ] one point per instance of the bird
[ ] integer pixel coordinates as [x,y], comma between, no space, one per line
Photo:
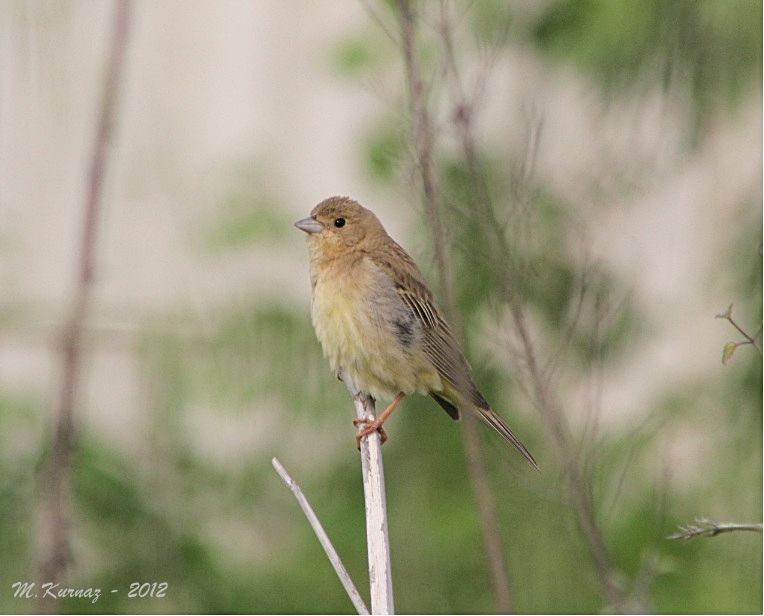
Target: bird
[378,323]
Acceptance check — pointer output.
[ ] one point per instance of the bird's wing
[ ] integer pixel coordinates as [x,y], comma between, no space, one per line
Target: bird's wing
[439,344]
[438,341]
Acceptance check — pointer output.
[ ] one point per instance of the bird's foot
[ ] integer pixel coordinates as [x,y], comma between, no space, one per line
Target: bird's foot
[369,426]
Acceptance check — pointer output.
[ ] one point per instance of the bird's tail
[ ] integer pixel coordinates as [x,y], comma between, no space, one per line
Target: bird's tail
[497,423]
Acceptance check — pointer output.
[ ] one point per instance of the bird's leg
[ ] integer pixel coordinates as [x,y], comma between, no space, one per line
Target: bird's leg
[376,424]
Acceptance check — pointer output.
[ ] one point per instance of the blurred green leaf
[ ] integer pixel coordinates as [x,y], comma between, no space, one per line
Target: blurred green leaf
[491,20]
[247,222]
[728,351]
[354,56]
[246,215]
[383,149]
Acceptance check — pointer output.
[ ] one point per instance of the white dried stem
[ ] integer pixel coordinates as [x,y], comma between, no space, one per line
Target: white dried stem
[704,527]
[373,472]
[323,539]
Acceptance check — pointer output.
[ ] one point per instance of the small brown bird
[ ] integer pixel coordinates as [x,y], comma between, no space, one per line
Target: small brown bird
[377,321]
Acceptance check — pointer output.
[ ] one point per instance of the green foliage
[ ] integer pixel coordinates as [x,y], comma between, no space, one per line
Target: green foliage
[578,300]
[20,447]
[354,56]
[245,215]
[383,150]
[714,47]
[491,20]
[227,364]
[115,505]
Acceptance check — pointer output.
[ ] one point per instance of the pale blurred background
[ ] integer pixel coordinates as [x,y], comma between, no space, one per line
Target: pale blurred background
[235,118]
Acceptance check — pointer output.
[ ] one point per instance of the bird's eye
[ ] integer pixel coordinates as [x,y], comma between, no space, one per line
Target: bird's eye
[339,222]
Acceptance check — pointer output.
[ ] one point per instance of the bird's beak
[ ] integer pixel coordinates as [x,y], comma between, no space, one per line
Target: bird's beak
[309,225]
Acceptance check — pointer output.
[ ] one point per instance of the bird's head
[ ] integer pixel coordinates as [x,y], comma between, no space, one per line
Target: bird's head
[338,225]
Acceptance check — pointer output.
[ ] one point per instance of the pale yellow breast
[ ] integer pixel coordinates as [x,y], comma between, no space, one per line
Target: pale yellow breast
[334,311]
[352,311]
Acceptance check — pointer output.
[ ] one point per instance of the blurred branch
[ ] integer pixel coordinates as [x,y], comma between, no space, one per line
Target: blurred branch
[374,16]
[373,474]
[704,527]
[55,553]
[493,235]
[489,522]
[423,143]
[323,539]
[580,496]
[731,347]
[422,137]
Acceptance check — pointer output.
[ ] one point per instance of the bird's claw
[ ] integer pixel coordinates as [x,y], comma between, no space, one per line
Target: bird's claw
[369,427]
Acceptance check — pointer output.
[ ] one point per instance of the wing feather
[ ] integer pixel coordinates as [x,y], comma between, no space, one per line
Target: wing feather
[439,344]
[438,341]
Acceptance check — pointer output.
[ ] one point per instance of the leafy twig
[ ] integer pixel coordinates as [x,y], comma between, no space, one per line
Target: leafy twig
[704,527]
[731,347]
[323,539]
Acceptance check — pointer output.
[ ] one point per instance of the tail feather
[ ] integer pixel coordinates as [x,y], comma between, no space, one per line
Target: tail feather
[497,423]
[446,405]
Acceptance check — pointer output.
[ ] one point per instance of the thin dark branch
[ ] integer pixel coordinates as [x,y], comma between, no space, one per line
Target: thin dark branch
[489,522]
[55,552]
[422,137]
[423,144]
[727,315]
[570,328]
[481,201]
[579,494]
[374,16]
